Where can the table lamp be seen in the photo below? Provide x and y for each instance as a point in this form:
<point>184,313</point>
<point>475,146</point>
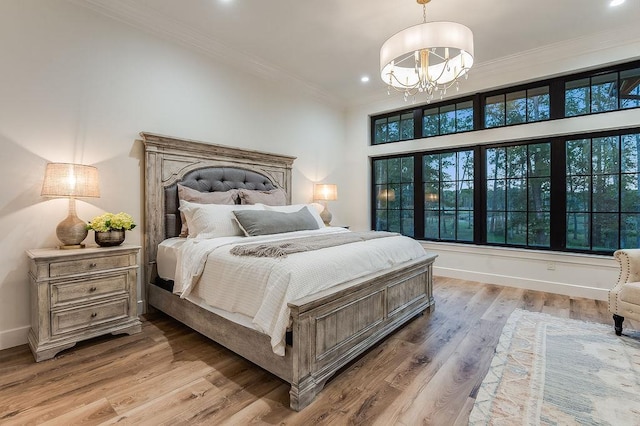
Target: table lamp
<point>73,181</point>
<point>325,192</point>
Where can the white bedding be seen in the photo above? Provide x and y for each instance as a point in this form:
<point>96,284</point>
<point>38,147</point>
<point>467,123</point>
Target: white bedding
<point>260,288</point>
<point>167,257</point>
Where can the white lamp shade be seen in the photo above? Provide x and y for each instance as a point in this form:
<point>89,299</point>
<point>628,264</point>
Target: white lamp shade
<point>70,180</point>
<point>397,53</point>
<point>325,192</point>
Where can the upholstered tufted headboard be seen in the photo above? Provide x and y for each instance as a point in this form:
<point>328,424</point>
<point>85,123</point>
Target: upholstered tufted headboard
<point>209,179</point>
<point>201,166</point>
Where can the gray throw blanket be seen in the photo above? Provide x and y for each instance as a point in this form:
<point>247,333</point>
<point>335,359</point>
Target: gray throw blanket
<point>297,245</point>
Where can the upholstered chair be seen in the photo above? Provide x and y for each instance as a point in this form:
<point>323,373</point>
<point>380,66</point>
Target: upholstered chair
<point>624,298</point>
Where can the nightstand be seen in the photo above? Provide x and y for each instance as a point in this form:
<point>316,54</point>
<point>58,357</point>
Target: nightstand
<point>79,294</point>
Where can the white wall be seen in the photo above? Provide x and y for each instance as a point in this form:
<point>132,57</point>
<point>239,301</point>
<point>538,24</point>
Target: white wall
<point>79,87</point>
<point>571,274</point>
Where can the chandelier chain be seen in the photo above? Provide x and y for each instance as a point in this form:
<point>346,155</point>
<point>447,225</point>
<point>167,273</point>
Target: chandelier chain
<point>424,13</point>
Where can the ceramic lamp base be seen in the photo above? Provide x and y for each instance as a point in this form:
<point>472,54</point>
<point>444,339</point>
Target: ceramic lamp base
<point>72,231</point>
<point>326,215</point>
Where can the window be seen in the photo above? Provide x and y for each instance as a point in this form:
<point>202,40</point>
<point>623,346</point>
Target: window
<point>494,109</point>
<point>630,88</point>
<point>595,178</point>
<point>394,195</point>
<point>398,127</point>
<point>604,93</point>
<point>443,120</point>
<point>603,193</point>
<point>538,108</point>
<point>576,193</point>
<point>577,98</point>
<point>518,194</point>
<point>448,196</point>
<point>517,107</point>
<point>599,91</point>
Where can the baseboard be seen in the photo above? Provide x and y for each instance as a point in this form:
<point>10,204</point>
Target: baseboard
<point>526,283</point>
<point>14,337</point>
<point>18,336</point>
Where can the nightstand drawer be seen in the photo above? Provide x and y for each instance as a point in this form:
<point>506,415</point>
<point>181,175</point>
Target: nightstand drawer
<point>69,320</point>
<point>76,291</point>
<point>80,266</point>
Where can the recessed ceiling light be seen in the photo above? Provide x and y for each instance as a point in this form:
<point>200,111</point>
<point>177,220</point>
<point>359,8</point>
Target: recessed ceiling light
<point>615,3</point>
<point>364,79</point>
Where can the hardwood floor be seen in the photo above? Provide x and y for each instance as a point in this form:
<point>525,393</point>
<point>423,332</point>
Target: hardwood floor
<point>426,373</point>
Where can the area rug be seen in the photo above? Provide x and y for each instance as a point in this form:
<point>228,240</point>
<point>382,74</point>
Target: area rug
<point>558,371</point>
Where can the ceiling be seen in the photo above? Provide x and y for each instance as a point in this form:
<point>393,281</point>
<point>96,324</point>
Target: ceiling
<point>326,46</point>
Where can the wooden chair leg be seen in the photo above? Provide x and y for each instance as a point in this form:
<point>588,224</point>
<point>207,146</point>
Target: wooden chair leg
<point>617,319</point>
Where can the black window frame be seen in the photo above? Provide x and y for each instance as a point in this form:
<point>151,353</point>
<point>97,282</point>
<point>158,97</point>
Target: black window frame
<point>556,101</point>
<point>558,191</point>
<point>508,178</point>
<point>443,105</point>
<point>386,116</point>
<point>375,199</point>
<point>456,211</point>
<point>515,89</point>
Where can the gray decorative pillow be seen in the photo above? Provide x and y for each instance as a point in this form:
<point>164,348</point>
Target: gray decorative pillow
<point>194,196</point>
<point>274,197</point>
<point>266,222</point>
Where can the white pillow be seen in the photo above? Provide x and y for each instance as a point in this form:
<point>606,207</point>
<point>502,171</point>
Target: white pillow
<point>194,196</point>
<point>314,208</point>
<point>213,220</point>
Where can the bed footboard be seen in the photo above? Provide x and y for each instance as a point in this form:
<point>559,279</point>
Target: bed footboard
<point>333,327</point>
<point>330,328</point>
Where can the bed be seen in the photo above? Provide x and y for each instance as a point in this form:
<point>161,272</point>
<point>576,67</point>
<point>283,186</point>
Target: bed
<point>326,329</point>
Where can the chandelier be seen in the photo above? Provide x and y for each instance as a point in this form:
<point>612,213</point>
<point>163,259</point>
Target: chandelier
<point>427,58</point>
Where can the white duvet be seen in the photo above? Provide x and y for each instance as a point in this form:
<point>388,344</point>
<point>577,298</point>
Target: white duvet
<point>260,288</point>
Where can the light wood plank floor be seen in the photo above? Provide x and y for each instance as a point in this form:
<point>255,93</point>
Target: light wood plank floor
<point>426,373</point>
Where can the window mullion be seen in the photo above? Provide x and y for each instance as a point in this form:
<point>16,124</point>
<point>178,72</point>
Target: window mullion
<point>558,208</point>
<point>619,172</point>
<point>479,196</point>
<point>418,197</point>
<point>557,99</point>
<point>417,123</point>
<point>373,194</point>
<point>591,195</point>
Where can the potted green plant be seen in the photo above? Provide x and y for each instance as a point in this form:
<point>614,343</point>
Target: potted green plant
<point>109,228</point>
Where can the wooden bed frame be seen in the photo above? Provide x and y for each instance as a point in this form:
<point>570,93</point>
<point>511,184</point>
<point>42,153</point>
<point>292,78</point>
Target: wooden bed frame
<point>329,328</point>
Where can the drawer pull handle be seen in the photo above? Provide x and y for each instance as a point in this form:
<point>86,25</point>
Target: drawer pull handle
<point>92,289</point>
<point>93,265</point>
<point>93,315</point>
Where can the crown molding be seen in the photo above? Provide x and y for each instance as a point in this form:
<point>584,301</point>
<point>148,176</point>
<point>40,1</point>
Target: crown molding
<point>568,56</point>
<point>150,21</point>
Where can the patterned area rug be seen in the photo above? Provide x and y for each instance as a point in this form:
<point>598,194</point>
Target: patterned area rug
<point>557,371</point>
